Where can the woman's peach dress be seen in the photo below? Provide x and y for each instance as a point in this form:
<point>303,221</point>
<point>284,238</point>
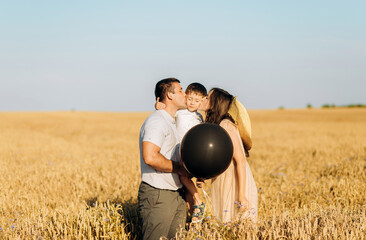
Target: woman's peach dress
<point>224,188</point>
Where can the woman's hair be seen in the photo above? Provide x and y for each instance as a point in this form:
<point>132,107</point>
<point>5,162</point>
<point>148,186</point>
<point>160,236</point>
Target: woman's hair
<point>220,101</point>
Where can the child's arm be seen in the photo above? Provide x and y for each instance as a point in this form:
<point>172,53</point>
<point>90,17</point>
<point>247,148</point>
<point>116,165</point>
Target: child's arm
<point>159,105</point>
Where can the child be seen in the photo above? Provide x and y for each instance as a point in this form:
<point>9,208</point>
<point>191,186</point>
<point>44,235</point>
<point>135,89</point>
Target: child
<point>185,119</point>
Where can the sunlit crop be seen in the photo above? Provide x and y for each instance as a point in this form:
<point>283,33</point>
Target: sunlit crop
<point>75,175</point>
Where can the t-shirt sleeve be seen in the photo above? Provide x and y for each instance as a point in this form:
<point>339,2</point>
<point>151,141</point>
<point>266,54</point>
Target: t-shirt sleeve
<point>154,132</point>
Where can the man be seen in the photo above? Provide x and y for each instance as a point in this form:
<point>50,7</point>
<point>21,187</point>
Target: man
<point>161,208</point>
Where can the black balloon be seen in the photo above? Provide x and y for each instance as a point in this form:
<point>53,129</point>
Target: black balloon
<point>206,150</point>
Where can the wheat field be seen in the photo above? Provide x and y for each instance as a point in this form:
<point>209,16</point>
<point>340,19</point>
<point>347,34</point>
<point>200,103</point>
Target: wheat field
<point>75,175</point>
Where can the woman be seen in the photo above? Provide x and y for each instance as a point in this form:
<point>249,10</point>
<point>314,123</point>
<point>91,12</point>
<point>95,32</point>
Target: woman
<point>234,192</point>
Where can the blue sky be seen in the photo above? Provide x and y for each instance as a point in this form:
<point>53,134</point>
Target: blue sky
<point>108,55</point>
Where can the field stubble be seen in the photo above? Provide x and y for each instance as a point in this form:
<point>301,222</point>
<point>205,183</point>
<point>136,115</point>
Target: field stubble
<point>75,175</point>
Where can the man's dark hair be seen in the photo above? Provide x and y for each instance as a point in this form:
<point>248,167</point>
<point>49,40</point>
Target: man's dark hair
<point>197,88</point>
<point>163,87</point>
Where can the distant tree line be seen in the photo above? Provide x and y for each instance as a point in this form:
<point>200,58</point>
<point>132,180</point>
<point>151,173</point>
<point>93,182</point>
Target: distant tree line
<point>309,106</point>
<point>344,106</point>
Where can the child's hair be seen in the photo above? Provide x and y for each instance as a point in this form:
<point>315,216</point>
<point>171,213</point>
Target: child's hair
<point>197,88</point>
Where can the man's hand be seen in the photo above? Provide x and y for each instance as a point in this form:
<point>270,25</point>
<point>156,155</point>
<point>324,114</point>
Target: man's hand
<point>180,169</point>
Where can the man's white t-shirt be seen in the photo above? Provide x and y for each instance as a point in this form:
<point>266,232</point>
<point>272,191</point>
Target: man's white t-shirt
<point>160,129</point>
<point>186,120</point>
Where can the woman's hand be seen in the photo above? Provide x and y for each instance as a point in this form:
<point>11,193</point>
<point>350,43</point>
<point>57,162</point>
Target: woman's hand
<point>159,105</point>
<point>243,205</point>
<point>200,182</point>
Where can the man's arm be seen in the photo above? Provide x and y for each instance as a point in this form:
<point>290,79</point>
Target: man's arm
<point>152,157</point>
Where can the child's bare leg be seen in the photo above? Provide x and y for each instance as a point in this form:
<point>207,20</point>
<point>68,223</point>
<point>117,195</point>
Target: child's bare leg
<point>193,199</point>
<point>190,201</point>
<point>192,195</point>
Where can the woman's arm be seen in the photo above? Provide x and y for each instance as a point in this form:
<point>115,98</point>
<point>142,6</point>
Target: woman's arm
<point>159,105</point>
<point>239,161</point>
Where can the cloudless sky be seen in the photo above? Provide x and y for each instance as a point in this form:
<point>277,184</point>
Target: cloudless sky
<point>108,55</point>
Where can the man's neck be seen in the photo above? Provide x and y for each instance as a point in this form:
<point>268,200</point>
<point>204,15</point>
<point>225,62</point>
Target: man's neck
<point>171,110</point>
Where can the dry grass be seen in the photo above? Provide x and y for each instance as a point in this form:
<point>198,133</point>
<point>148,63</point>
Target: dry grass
<point>75,175</point>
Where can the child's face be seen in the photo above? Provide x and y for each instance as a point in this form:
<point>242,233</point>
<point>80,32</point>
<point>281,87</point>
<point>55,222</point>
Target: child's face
<point>194,101</point>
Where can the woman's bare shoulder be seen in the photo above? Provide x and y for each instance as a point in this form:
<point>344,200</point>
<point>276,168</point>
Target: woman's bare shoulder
<point>228,125</point>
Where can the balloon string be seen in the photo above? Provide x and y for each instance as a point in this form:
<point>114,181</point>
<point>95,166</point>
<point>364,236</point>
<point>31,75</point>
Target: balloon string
<point>208,200</point>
